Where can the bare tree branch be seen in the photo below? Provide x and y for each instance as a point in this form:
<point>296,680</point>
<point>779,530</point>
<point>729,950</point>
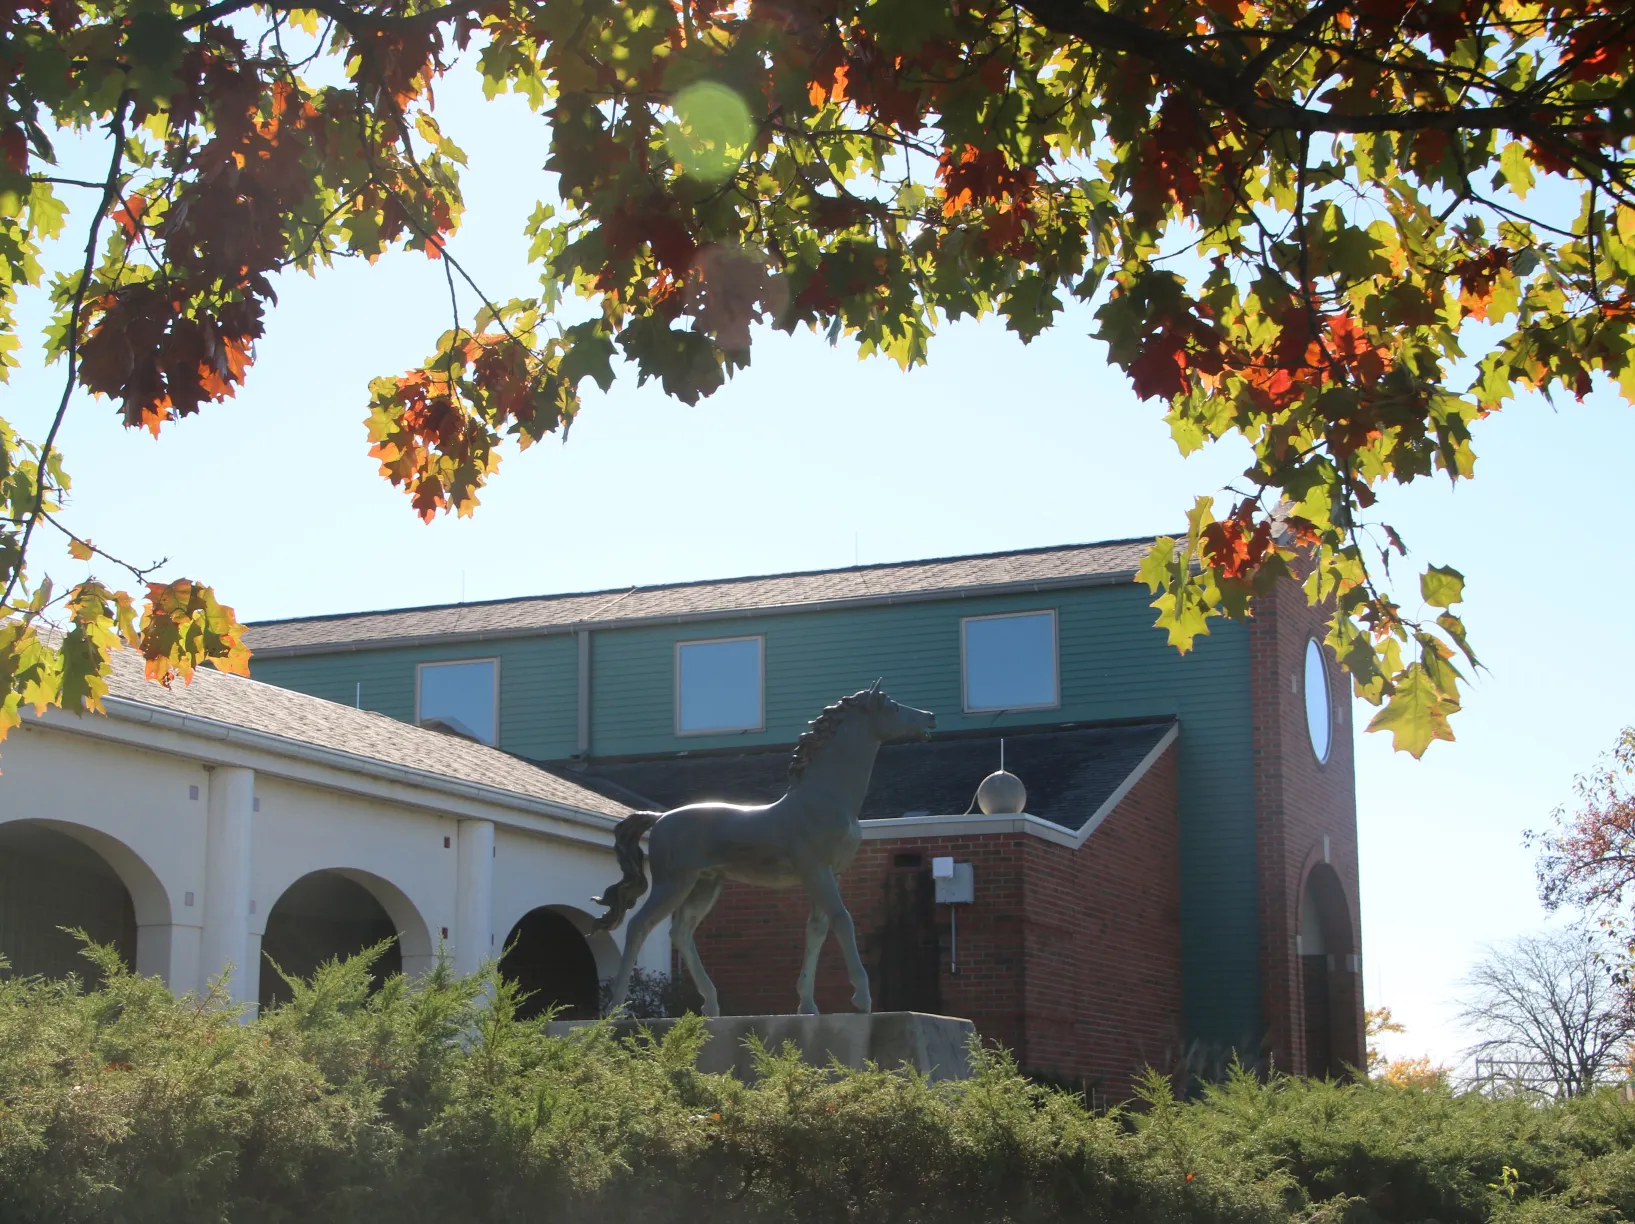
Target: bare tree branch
<point>1553,1017</point>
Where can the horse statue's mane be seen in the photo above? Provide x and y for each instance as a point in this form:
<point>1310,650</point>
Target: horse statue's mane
<point>822,729</point>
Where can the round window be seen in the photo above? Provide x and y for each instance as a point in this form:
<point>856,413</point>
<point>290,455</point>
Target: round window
<point>1318,723</point>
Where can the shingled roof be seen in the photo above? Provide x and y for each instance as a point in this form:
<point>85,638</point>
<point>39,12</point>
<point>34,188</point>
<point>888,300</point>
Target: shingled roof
<point>1069,772</point>
<point>1027,569</point>
<point>362,734</point>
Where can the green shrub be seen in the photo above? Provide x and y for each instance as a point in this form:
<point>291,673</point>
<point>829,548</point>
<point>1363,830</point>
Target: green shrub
<point>432,1100</point>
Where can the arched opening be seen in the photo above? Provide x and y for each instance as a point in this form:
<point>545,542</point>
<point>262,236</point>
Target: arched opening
<point>547,957</point>
<point>321,917</point>
<point>1328,977</point>
<point>50,880</point>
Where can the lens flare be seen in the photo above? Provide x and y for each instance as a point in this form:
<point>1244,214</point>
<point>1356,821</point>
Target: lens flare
<point>711,133</point>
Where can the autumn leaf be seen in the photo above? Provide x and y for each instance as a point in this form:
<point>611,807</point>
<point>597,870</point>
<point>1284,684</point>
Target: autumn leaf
<point>1272,242</point>
<point>1415,714</point>
<point>1441,586</point>
<point>183,627</point>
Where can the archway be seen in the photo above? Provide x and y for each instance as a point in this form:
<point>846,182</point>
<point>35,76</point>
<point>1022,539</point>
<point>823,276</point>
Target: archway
<point>1328,977</point>
<point>321,917</point>
<point>553,964</point>
<point>51,879</point>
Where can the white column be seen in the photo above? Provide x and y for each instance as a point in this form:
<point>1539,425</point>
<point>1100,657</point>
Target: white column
<point>474,897</point>
<point>225,939</point>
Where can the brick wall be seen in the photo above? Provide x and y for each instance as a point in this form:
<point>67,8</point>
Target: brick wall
<point>1298,803</point>
<point>1069,958</point>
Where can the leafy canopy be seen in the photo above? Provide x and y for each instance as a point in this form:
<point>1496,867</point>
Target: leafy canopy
<point>1284,213</point>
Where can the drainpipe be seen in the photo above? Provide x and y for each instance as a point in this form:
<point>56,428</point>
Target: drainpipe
<point>583,747</point>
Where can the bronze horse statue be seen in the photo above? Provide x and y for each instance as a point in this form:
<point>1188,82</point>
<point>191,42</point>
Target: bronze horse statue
<point>807,838</point>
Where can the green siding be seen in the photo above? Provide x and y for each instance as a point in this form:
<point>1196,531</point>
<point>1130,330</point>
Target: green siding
<point>1114,665</point>
<point>539,683</point>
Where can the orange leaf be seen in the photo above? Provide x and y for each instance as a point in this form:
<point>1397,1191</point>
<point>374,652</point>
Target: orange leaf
<point>129,214</point>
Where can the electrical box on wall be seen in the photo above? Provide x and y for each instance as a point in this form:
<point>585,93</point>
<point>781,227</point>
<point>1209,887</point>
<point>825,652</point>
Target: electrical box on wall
<point>955,882</point>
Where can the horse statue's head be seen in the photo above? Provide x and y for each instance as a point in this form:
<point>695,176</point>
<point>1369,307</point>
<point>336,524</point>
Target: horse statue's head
<point>888,721</point>
<point>891,721</point>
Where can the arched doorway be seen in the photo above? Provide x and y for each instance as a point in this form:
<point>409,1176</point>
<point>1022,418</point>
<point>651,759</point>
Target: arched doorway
<point>321,917</point>
<point>50,880</point>
<point>547,957</point>
<point>1328,977</point>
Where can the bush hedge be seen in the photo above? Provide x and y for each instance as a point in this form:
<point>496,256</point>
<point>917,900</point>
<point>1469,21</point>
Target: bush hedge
<point>431,1100</point>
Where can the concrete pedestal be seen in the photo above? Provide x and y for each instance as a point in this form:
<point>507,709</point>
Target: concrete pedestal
<point>935,1045</point>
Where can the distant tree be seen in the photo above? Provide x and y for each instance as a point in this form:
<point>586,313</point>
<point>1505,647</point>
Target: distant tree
<point>1418,1072</point>
<point>1587,858</point>
<point>1552,1018</point>
<point>1287,214</point>
<point>1377,1020</point>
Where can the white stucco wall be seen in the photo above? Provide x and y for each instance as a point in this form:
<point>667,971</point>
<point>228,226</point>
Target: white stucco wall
<point>141,797</point>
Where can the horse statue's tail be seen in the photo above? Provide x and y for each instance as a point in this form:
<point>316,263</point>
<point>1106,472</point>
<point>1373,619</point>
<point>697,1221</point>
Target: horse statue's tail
<point>627,847</point>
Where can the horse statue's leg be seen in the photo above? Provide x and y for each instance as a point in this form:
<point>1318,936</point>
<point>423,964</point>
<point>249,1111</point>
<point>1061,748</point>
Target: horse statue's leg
<point>824,890</point>
<point>682,925</point>
<point>817,930</point>
<point>667,894</point>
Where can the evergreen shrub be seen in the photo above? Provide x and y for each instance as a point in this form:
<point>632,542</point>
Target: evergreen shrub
<point>431,1100</point>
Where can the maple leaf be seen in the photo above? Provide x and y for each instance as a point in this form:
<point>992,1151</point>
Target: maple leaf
<point>1286,268</point>
<point>128,215</point>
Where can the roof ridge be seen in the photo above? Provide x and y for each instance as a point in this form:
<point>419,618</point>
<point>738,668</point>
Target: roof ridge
<point>619,592</point>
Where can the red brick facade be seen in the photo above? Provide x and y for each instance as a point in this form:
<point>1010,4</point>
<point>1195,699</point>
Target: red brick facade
<point>1070,958</point>
<point>1306,835</point>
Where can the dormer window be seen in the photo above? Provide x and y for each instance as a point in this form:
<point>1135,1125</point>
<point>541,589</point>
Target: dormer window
<point>1010,662</point>
<point>460,698</point>
<point>719,686</point>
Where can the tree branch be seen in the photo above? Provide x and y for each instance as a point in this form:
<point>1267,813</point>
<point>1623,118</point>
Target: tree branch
<point>351,19</point>
<point>110,193</point>
<point>1237,93</point>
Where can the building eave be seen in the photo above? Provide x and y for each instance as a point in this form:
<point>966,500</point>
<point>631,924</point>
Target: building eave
<point>896,828</point>
<point>215,742</point>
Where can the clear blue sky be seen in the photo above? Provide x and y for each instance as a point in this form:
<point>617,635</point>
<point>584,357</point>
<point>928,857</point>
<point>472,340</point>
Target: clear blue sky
<point>812,458</point>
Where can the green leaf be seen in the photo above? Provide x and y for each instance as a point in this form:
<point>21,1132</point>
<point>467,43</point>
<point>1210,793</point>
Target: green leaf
<point>1157,564</point>
<point>1441,586</point>
<point>1455,629</point>
<point>1415,714</point>
<point>591,355</point>
<point>1515,169</point>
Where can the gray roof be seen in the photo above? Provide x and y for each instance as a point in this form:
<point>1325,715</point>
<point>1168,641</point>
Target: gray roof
<point>294,716</point>
<point>941,578</point>
<point>1069,772</point>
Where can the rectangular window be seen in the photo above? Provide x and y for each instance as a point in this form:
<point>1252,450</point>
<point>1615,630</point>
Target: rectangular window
<point>461,697</point>
<point>718,686</point>
<point>1010,662</point>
